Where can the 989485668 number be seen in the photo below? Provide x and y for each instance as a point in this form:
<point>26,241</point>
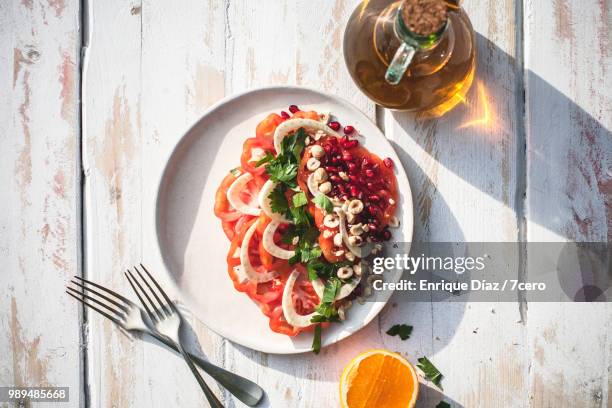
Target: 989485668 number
<point>41,394</point>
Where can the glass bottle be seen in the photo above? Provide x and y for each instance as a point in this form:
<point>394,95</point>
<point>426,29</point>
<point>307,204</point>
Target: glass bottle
<point>403,71</point>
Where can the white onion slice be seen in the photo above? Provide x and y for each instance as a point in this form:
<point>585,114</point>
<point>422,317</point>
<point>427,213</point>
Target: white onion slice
<point>239,271</point>
<point>312,185</point>
<point>233,195</point>
<point>264,202</point>
<point>290,125</point>
<point>344,291</point>
<point>245,262</point>
<point>291,316</point>
<point>270,246</point>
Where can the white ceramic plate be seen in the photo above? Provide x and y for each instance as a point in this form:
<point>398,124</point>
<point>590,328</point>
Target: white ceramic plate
<point>191,239</point>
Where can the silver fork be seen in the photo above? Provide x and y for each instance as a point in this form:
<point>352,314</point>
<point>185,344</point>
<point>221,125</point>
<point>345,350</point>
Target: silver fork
<point>167,321</point>
<point>129,317</point>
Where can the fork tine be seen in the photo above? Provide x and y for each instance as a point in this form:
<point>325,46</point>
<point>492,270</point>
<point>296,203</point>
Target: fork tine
<point>138,289</point>
<point>114,302</point>
<point>107,290</point>
<point>96,301</point>
<point>103,313</point>
<point>162,305</point>
<point>170,303</point>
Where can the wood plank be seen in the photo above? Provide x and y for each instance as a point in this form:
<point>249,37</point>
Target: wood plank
<point>462,172</point>
<point>569,188</point>
<point>153,68</point>
<point>40,195</point>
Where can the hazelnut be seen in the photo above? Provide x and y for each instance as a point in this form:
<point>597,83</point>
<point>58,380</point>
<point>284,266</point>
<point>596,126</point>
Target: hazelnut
<point>320,175</point>
<point>331,221</point>
<point>317,151</point>
<point>325,187</point>
<point>345,272</point>
<point>312,164</point>
<point>355,207</point>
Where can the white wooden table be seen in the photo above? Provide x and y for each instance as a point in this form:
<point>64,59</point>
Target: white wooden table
<point>94,94</point>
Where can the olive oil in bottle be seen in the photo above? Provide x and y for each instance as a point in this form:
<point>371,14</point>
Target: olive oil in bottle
<point>411,55</point>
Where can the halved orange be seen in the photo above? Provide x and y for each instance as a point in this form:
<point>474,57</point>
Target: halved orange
<point>379,378</point>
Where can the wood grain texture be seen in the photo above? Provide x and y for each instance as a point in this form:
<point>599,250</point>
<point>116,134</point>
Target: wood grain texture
<point>462,172</point>
<point>40,195</point>
<point>569,189</point>
<point>153,68</point>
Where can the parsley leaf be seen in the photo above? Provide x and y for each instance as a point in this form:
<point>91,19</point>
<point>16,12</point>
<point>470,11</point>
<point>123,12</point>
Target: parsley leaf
<point>316,340</point>
<point>235,172</point>
<point>331,290</point>
<point>443,404</point>
<point>299,199</point>
<point>301,216</point>
<point>430,371</point>
<point>284,167</point>
<point>294,144</point>
<point>323,203</point>
<point>278,200</point>
<point>282,171</point>
<point>401,330</point>
<point>326,313</point>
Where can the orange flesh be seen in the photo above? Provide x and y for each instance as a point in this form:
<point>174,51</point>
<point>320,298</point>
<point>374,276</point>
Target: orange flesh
<point>380,381</point>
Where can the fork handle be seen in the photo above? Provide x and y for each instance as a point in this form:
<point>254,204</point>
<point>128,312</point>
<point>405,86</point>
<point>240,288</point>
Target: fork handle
<point>212,399</point>
<point>245,390</point>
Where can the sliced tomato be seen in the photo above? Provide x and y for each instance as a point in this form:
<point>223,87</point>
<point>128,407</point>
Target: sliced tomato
<point>233,261</point>
<point>249,158</point>
<point>231,228</point>
<point>327,247</point>
<point>265,129</point>
<point>223,209</point>
<point>307,115</point>
<point>305,299</point>
<point>278,323</point>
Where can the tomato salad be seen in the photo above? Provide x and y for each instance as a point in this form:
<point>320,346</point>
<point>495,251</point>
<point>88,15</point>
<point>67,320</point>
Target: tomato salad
<point>306,206</point>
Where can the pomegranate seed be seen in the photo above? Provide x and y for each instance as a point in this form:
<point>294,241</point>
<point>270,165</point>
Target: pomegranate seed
<point>386,235</point>
<point>354,191</point>
<point>352,167</point>
<point>370,185</point>
<point>334,125</point>
<point>284,115</point>
<point>369,173</point>
<point>353,178</point>
<point>349,144</point>
<point>372,227</point>
<point>327,148</point>
<point>344,197</point>
<point>348,129</point>
<point>335,179</point>
<point>347,156</point>
<point>334,160</point>
<point>374,198</point>
<point>388,162</point>
<point>360,195</point>
<point>331,169</point>
<point>293,108</point>
<point>365,162</point>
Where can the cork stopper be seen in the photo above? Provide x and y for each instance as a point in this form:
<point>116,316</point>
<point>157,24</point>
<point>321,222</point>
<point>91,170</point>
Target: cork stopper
<point>424,17</point>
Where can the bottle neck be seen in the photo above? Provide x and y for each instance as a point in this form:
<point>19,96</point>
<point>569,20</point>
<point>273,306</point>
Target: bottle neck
<point>420,42</point>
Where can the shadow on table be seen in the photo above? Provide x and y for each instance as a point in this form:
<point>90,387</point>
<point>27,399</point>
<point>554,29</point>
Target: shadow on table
<point>459,148</point>
<point>492,126</point>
